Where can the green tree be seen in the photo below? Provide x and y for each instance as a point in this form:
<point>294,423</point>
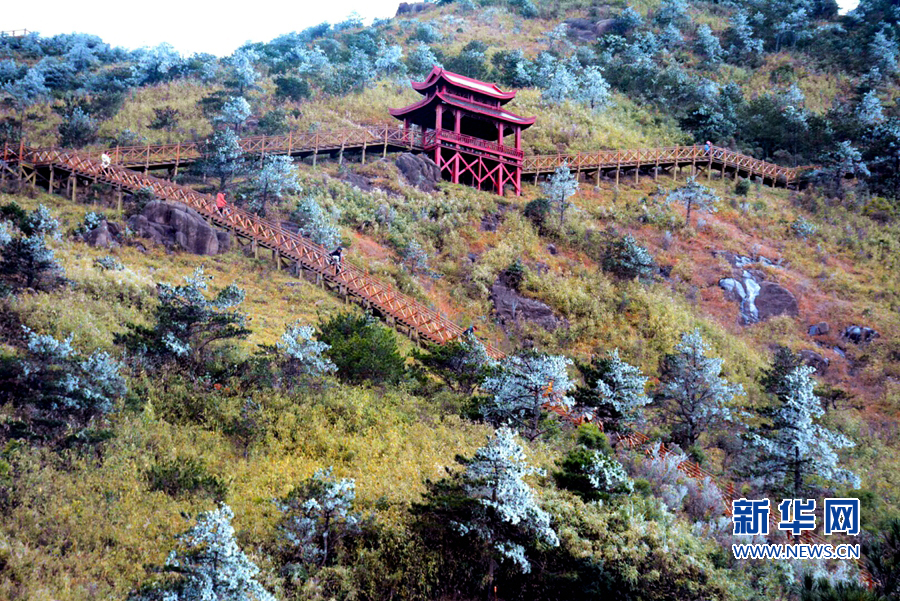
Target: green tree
<point>362,349</point>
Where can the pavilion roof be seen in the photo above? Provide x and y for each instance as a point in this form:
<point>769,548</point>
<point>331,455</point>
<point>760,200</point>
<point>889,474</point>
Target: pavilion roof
<point>474,107</point>
<point>473,85</point>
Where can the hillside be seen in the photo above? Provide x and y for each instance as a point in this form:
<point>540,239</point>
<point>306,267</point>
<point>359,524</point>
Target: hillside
<point>178,394</point>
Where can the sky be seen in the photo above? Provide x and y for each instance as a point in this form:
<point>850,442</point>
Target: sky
<point>192,26</point>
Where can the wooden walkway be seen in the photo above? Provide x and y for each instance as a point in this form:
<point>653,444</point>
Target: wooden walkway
<point>417,320</point>
<point>381,139</point>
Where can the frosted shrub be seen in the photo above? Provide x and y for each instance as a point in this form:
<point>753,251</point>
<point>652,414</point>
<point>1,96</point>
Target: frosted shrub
<point>522,385</point>
<point>108,263</point>
<point>667,482</point>
<point>316,516</point>
<point>304,352</point>
<point>40,222</point>
<point>803,228</point>
<point>315,223</point>
<point>277,179</point>
<point>694,196</point>
<point>628,259</point>
<point>495,479</point>
<point>210,564</point>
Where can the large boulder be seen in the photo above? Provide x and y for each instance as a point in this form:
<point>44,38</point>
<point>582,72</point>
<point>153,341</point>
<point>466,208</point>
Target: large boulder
<point>105,235</point>
<point>413,8</point>
<point>419,171</point>
<point>859,334</point>
<point>585,30</point>
<point>774,299</point>
<point>818,329</point>
<point>511,307</point>
<point>816,361</point>
<point>174,225</point>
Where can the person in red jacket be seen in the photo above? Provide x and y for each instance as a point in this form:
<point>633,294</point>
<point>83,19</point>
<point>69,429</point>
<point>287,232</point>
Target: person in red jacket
<point>221,203</point>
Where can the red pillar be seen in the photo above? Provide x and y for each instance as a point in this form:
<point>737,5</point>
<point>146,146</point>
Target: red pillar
<point>438,122</point>
<point>458,119</point>
<point>518,138</point>
<point>500,133</point>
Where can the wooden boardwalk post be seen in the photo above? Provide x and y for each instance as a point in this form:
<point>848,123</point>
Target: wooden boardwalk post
<point>709,167</point>
<point>637,169</point>
<point>384,151</point>
<point>147,160</point>
<point>74,179</point>
<point>618,165</point>
<point>50,184</point>
<point>675,166</point>
<point>316,150</point>
<point>364,153</point>
<point>177,160</point>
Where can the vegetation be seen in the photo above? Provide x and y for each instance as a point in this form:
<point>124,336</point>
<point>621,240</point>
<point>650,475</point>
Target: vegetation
<point>361,467</point>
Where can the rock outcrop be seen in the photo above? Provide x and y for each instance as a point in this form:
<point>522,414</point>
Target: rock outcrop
<point>413,8</point>
<point>511,307</point>
<point>585,30</point>
<point>818,329</point>
<point>759,300</point>
<point>419,171</point>
<point>815,360</point>
<point>859,334</point>
<point>774,299</point>
<point>105,235</point>
<point>174,225</point>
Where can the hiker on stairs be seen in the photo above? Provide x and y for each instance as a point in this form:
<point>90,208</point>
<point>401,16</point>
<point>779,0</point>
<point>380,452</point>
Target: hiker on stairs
<point>335,258</point>
<point>105,161</point>
<point>221,203</point>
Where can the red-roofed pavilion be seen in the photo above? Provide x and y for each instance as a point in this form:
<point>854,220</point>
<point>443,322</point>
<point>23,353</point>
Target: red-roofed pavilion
<point>465,124</point>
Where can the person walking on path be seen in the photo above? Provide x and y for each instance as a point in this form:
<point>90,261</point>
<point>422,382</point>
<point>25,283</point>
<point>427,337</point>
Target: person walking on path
<point>105,161</point>
<point>221,203</point>
<point>336,257</point>
<point>707,148</point>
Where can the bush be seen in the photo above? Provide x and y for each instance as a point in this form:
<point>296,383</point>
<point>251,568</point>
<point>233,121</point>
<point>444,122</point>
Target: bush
<point>803,228</point>
<point>362,349</point>
<point>186,476</point>
<point>742,187</point>
<point>537,211</point>
<point>627,259</point>
<point>291,88</point>
<point>592,475</point>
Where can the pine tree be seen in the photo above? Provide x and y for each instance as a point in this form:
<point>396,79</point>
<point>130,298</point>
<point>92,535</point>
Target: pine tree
<point>494,478</point>
<point>316,515</point>
<point>421,60</point>
<point>794,448</point>
<point>707,45</point>
<point>870,111</point>
<point>303,352</point>
<point>187,322</point>
<point>884,54</point>
<point>78,129</point>
<point>210,564</point>
<point>744,48</point>
<point>628,259</point>
<point>561,186</point>
<point>562,85</point>
<point>672,12</point>
<point>694,196</point>
<point>273,182</point>
<point>244,74</point>
<point>28,263</point>
<point>694,395</point>
<point>315,223</point>
<point>620,388</point>
<point>522,386</point>
<point>235,112</point>
<point>389,60</point>
<point>223,158</point>
<point>593,89</point>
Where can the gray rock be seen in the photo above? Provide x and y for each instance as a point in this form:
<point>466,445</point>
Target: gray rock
<point>490,222</point>
<point>551,248</point>
<point>818,329</point>
<point>510,307</point>
<point>774,300</point>
<point>413,8</point>
<point>860,334</point>
<point>173,224</point>
<point>105,235</point>
<point>419,171</point>
<point>586,30</point>
<point>733,289</point>
<point>814,359</point>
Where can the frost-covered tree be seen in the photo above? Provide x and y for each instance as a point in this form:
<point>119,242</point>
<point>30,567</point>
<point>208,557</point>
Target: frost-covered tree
<point>561,86</point>
<point>558,38</point>
<point>187,322</point>
<point>153,65</point>
<point>314,63</point>
<point>359,71</point>
<point>304,354</point>
<point>243,72</point>
<point>627,259</point>
<point>235,112</point>
<point>222,157</point>
<point>794,449</point>
<point>210,565</point>
<point>77,129</point>
<point>627,20</point>
<point>421,59</point>
<point>620,388</point>
<point>26,92</point>
<point>672,12</point>
<point>27,262</point>
<point>592,474</point>
<point>277,179</point>
<point>693,393</point>
<point>41,222</point>
<point>561,186</point>
<point>316,516</point>
<point>523,386</point>
<point>792,28</point>
<point>869,111</point>
<point>315,223</point>
<point>744,47</point>
<point>509,513</point>
<point>884,54</point>
<point>593,89</point>
<point>694,196</point>
<point>707,45</point>
<point>389,60</point>
<point>671,37</point>
<point>844,162</point>
<point>57,383</point>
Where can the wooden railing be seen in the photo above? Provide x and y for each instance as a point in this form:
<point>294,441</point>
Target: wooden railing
<point>14,33</point>
<point>429,324</point>
<point>472,141</point>
<point>650,157</point>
